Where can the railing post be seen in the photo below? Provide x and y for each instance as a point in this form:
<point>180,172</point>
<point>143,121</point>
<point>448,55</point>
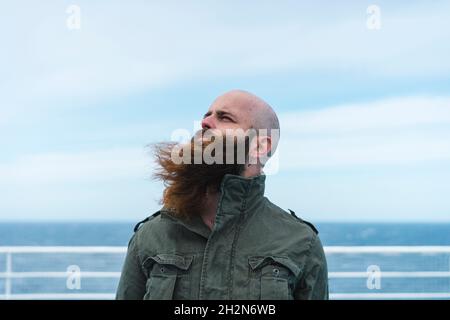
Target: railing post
<point>8,275</point>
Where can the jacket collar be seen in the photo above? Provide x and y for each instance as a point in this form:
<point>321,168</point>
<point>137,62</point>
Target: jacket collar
<point>238,195</point>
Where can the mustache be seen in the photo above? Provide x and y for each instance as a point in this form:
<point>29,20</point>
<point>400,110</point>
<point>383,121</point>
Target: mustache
<point>205,161</point>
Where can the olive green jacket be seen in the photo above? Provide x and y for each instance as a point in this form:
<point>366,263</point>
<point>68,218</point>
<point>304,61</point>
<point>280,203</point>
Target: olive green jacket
<point>256,250</point>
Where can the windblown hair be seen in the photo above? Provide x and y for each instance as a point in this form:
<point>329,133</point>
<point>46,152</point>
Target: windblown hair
<point>186,184</point>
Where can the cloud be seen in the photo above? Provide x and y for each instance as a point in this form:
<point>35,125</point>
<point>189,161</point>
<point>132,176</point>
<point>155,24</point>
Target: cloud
<point>385,114</point>
<point>108,184</point>
<point>395,131</point>
<point>120,49</point>
<point>65,168</point>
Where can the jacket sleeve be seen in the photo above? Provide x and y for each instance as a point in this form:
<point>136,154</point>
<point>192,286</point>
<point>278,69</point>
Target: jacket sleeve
<point>313,284</point>
<point>132,280</point>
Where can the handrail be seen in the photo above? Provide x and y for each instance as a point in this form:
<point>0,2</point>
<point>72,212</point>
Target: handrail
<point>387,249</point>
<point>327,249</point>
<point>10,274</point>
<point>62,249</point>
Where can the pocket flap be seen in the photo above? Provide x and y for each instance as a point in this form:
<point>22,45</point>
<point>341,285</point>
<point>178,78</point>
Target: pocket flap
<point>179,261</point>
<point>256,262</point>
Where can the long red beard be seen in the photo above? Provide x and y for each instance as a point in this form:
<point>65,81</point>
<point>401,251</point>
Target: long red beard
<point>186,184</point>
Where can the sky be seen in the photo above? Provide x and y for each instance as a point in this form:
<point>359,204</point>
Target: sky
<point>361,88</point>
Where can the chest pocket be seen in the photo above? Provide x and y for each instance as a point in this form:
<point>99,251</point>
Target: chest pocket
<point>168,277</point>
<point>272,277</point>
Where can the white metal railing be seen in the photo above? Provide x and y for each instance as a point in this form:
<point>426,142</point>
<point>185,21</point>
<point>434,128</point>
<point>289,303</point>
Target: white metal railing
<point>10,274</point>
<point>390,250</point>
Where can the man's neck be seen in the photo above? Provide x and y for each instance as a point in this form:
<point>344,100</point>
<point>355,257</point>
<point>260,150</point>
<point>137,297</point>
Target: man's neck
<point>252,171</point>
<point>209,209</point>
<point>212,198</point>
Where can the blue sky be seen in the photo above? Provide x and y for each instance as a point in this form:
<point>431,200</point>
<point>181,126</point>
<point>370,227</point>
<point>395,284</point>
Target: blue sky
<point>365,114</point>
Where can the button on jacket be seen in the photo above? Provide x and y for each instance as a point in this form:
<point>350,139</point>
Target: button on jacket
<point>256,250</point>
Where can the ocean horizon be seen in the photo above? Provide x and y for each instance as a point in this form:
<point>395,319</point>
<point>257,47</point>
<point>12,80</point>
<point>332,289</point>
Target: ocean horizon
<point>86,233</point>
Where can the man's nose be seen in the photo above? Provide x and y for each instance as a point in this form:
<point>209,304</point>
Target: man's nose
<point>208,123</point>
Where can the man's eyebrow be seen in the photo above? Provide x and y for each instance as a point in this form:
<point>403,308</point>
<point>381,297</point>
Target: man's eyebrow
<point>220,113</point>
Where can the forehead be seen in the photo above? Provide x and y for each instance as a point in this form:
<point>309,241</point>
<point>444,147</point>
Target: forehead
<point>233,105</point>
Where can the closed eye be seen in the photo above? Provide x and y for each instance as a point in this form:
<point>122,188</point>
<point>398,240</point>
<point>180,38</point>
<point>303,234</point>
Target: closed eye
<point>226,118</point>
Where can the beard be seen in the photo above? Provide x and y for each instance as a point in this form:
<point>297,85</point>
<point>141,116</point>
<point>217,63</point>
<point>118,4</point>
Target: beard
<point>205,160</point>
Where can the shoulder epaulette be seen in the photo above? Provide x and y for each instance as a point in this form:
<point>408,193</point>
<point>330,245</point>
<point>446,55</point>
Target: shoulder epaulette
<point>304,221</point>
<point>136,227</point>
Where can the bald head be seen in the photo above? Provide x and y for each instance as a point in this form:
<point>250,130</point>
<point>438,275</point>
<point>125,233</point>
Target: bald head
<point>252,111</point>
<point>241,109</point>
<point>256,112</point>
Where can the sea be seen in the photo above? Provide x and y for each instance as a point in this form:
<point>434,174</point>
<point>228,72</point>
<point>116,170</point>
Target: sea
<point>352,275</point>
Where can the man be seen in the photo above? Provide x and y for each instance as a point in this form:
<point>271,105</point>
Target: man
<point>217,236</point>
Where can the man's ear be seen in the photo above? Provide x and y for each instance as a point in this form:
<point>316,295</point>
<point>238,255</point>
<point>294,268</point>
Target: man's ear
<point>259,150</point>
<point>264,149</point>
